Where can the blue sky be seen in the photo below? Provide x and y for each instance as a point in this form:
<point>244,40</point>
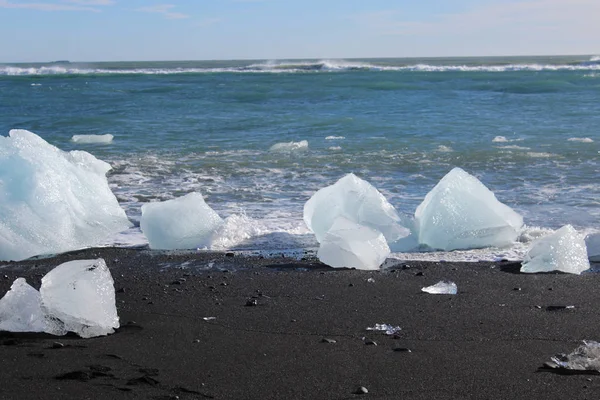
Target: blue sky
<point>123,30</point>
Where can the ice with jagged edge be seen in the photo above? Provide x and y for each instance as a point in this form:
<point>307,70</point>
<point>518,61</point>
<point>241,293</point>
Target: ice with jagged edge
<point>441,287</point>
<point>563,250</point>
<point>79,296</point>
<point>86,139</point>
<point>288,147</point>
<point>348,244</point>
<point>584,358</point>
<point>186,222</point>
<point>356,200</point>
<point>387,328</point>
<point>461,213</point>
<point>52,201</point>
<point>592,243</point>
<point>20,309</point>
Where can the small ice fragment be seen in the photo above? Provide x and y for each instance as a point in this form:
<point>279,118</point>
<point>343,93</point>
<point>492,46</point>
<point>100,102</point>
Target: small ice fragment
<point>441,287</point>
<point>461,213</point>
<point>289,147</point>
<point>108,138</point>
<point>563,250</point>
<point>209,318</point>
<point>584,358</point>
<point>20,309</point>
<point>371,280</point>
<point>79,296</point>
<point>183,223</point>
<point>357,201</point>
<point>387,328</point>
<point>349,245</point>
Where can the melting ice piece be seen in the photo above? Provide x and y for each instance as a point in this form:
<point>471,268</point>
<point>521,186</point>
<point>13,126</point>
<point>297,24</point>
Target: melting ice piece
<point>388,329</point>
<point>20,309</point>
<point>355,200</point>
<point>563,250</point>
<point>592,242</point>
<point>351,245</point>
<point>584,358</point>
<point>461,213</point>
<point>52,201</point>
<point>441,288</point>
<point>79,296</point>
<point>290,147</point>
<point>183,223</point>
<point>108,138</point>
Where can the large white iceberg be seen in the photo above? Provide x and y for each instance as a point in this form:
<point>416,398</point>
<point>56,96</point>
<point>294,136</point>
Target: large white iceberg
<point>20,309</point>
<point>348,244</point>
<point>563,250</point>
<point>52,201</point>
<point>461,213</point>
<point>183,223</point>
<point>356,200</point>
<point>79,296</point>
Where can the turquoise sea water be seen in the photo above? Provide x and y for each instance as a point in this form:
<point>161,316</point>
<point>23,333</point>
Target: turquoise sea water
<point>527,127</point>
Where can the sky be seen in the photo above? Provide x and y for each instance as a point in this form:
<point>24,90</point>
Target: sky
<point>144,30</point>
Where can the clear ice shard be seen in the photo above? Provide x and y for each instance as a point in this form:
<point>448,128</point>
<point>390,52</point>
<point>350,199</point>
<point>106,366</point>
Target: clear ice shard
<point>348,244</point>
<point>441,288</point>
<point>52,201</point>
<point>592,242</point>
<point>356,200</point>
<point>387,328</point>
<point>183,223</point>
<point>79,296</point>
<point>461,213</point>
<point>563,250</point>
<point>584,358</point>
<point>20,309</point>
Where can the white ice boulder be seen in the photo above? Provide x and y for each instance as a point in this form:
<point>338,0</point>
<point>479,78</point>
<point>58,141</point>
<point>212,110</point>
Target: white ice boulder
<point>20,309</point>
<point>355,200</point>
<point>461,213</point>
<point>183,223</point>
<point>52,201</point>
<point>79,296</point>
<point>348,244</point>
<point>563,250</point>
<point>88,139</point>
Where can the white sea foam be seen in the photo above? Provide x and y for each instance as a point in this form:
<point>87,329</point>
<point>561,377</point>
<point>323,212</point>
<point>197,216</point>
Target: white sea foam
<point>444,149</point>
<point>534,154</point>
<point>335,148</point>
<point>500,139</point>
<point>335,138</point>
<point>514,147</point>
<point>107,138</point>
<point>581,140</point>
<point>289,147</point>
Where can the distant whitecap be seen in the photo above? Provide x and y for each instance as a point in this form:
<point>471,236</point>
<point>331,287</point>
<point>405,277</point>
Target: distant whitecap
<point>444,149</point>
<point>108,138</point>
<point>288,147</point>
<point>581,140</point>
<point>500,139</point>
<point>335,138</point>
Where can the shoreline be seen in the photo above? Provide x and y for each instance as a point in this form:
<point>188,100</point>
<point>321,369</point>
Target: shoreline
<point>297,329</point>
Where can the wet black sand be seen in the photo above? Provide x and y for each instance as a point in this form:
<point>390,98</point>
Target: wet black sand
<point>273,314</point>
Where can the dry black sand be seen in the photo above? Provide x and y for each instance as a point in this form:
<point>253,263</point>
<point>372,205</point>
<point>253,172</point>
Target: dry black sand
<point>273,314</point>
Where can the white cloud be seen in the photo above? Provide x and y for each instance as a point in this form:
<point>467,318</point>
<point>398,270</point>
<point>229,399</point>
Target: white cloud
<point>165,10</point>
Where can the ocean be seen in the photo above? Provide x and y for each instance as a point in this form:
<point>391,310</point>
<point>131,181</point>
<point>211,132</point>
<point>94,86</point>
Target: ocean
<point>527,127</point>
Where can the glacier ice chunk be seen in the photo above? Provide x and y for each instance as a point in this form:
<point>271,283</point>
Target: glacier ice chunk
<point>441,288</point>
<point>21,309</point>
<point>461,213</point>
<point>85,139</point>
<point>592,242</point>
<point>355,200</point>
<point>348,244</point>
<point>52,201</point>
<point>563,250</point>
<point>387,328</point>
<point>584,358</point>
<point>79,296</point>
<point>183,223</point>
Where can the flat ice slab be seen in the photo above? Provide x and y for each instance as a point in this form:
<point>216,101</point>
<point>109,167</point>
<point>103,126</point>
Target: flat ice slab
<point>347,244</point>
<point>461,213</point>
<point>356,200</point>
<point>563,250</point>
<point>183,223</point>
<point>79,296</point>
<point>105,139</point>
<point>20,309</point>
<point>52,201</point>
<point>441,288</point>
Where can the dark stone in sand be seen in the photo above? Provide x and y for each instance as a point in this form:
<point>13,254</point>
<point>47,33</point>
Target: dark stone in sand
<point>370,342</point>
<point>251,303</point>
<point>403,350</point>
<point>229,254</point>
<point>559,308</point>
<point>58,345</point>
<point>419,274</point>
<point>330,341</point>
<point>143,380</point>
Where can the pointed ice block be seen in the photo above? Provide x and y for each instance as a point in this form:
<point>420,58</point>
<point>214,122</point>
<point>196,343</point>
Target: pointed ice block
<point>79,296</point>
<point>441,288</point>
<point>350,245</point>
<point>20,309</point>
<point>461,213</point>
<point>355,200</point>
<point>563,250</point>
<point>183,223</point>
<point>52,201</point>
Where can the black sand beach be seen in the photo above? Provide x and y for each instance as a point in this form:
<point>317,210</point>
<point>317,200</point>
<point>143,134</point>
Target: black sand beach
<point>288,329</point>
